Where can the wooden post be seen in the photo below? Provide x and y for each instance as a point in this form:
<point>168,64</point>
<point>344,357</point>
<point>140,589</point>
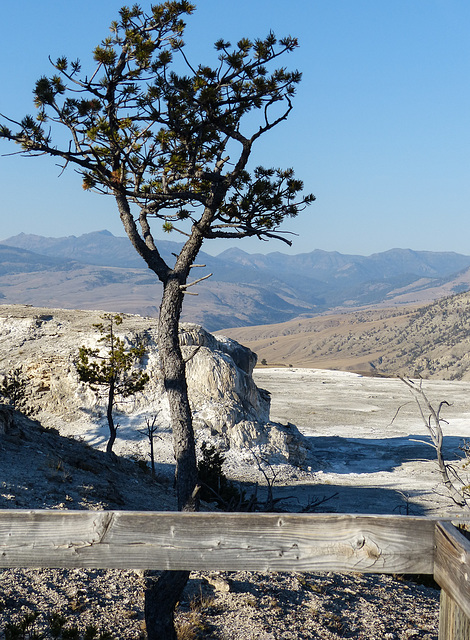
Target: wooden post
<point>452,573</point>
<point>453,623</point>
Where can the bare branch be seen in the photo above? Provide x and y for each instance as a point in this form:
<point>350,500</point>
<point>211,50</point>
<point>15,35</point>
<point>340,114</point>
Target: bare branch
<point>186,360</point>
<point>191,284</point>
<point>433,425</point>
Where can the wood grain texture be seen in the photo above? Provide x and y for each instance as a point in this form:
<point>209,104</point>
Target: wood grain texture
<point>216,541</point>
<point>452,564</point>
<point>453,623</point>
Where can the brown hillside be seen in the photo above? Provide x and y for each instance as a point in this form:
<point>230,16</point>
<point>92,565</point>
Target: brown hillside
<point>431,341</point>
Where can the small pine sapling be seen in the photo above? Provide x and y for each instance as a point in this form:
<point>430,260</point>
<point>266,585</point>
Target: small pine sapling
<point>14,391</point>
<point>112,368</point>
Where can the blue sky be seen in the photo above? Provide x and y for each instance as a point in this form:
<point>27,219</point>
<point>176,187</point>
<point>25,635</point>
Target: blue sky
<point>380,131</point>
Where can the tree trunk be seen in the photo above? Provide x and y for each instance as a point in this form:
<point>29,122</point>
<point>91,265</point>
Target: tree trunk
<point>109,415</point>
<point>152,454</point>
<point>174,376</point>
<point>161,598</point>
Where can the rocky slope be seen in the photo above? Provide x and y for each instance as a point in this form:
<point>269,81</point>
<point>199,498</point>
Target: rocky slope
<point>227,405</point>
<point>431,341</point>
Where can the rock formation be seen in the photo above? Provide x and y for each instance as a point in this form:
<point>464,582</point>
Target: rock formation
<point>227,405</point>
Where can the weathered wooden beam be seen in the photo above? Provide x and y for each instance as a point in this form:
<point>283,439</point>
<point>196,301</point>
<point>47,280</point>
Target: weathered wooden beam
<point>452,564</point>
<point>216,541</point>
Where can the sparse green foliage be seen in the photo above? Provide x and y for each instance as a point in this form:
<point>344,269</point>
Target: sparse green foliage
<point>215,486</point>
<point>56,624</point>
<point>112,368</point>
<point>14,391</point>
<point>24,629</point>
<point>141,131</point>
<point>116,364</point>
<point>59,629</point>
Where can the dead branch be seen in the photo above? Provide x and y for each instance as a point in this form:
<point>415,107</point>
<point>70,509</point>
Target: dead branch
<point>314,503</point>
<point>397,412</point>
<point>186,360</point>
<point>270,481</point>
<point>433,425</point>
<point>150,432</point>
<point>183,287</point>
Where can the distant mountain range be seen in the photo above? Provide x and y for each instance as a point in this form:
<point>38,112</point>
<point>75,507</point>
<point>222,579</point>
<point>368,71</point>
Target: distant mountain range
<point>101,271</point>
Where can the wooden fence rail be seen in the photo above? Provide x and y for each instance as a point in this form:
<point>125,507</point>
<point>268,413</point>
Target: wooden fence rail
<point>247,541</point>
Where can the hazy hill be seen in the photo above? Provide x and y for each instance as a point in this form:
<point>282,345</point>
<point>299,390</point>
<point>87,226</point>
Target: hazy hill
<point>432,341</point>
<point>330,266</point>
<point>13,260</point>
<point>28,278</point>
<point>97,248</point>
<point>101,271</point>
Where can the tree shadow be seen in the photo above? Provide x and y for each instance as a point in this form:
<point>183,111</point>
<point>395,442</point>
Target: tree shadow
<point>336,454</point>
<point>129,428</point>
<point>325,497</point>
<point>67,472</point>
<point>336,498</point>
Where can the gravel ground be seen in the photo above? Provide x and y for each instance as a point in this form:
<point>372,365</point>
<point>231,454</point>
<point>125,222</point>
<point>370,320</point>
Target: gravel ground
<point>256,605</point>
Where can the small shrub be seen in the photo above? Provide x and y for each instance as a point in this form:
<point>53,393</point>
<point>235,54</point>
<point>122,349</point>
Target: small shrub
<point>14,391</point>
<point>215,486</point>
<point>192,628</point>
<point>23,629</point>
<point>57,471</point>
